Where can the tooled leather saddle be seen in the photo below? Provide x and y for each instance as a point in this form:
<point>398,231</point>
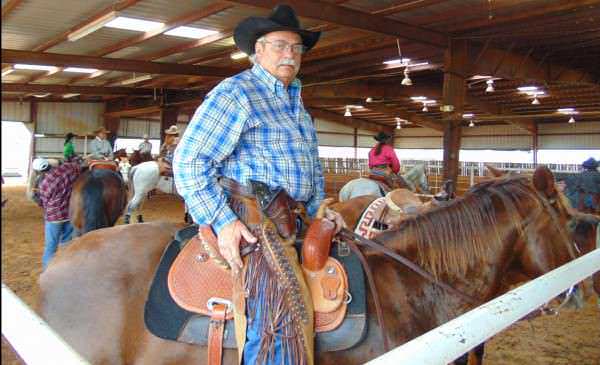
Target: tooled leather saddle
<point>190,297</point>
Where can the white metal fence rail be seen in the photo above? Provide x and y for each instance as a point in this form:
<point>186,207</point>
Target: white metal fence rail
<point>452,339</point>
<point>31,337</point>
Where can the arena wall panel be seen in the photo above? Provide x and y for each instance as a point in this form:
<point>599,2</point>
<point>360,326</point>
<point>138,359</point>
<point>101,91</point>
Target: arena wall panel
<point>16,111</point>
<point>60,118</point>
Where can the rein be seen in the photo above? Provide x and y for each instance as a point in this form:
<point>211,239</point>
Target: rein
<point>347,235</point>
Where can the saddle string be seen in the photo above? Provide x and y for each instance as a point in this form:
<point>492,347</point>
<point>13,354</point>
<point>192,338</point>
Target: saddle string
<point>350,236</point>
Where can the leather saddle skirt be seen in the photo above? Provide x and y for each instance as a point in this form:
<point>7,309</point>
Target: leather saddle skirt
<point>103,164</point>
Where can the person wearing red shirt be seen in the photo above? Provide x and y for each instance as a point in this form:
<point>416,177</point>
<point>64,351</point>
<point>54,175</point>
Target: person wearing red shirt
<point>382,157</point>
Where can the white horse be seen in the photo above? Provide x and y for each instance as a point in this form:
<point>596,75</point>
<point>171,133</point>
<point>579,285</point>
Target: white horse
<point>364,186</point>
<point>144,178</point>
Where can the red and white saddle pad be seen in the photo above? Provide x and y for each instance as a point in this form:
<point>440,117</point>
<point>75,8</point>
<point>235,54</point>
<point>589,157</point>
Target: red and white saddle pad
<point>368,218</point>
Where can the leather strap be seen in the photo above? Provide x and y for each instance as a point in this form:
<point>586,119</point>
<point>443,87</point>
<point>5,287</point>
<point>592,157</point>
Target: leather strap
<point>374,293</point>
<point>235,188</point>
<point>350,236</point>
<point>215,334</point>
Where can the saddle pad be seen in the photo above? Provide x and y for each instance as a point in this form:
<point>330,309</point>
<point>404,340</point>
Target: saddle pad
<point>370,215</point>
<point>195,278</point>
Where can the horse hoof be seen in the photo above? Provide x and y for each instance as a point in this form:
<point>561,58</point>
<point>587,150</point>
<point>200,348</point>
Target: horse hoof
<point>140,219</point>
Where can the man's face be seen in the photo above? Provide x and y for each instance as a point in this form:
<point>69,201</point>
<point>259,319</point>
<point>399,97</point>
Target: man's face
<point>102,135</point>
<point>276,55</point>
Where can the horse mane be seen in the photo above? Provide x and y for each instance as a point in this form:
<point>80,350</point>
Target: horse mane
<point>453,237</point>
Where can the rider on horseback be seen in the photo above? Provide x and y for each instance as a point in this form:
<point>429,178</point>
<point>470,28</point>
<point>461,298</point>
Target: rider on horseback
<point>167,150</point>
<point>100,148</point>
<point>383,163</point>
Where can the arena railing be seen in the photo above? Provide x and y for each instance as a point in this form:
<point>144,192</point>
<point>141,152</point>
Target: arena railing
<point>449,341</point>
<point>31,337</point>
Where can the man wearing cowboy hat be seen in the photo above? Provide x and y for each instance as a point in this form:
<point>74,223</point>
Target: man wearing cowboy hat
<point>145,146</point>
<point>100,148</point>
<point>168,148</point>
<point>583,190</point>
<point>253,126</point>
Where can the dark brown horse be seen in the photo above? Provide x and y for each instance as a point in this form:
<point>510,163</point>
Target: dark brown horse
<point>95,301</point>
<point>97,200</point>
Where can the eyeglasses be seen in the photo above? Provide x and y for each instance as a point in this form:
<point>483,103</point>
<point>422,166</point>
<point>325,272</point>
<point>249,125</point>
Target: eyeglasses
<point>281,46</point>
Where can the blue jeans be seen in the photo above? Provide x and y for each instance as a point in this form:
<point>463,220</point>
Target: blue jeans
<point>253,337</point>
<point>55,233</point>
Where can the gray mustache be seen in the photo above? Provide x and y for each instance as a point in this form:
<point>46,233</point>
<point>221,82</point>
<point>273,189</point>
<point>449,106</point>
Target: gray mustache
<point>287,62</point>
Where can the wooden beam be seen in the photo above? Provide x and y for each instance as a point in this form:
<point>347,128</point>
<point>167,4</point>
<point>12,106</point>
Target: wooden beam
<point>66,89</point>
<point>455,63</point>
<point>348,121</point>
<point>358,20</point>
<point>9,6</point>
<point>412,117</point>
<point>112,64</point>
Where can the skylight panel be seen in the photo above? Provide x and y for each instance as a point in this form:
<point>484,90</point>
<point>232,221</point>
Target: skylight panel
<point>190,32</point>
<point>140,25</point>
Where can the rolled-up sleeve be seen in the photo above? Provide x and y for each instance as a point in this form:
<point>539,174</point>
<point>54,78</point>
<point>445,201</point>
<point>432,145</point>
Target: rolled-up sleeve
<point>210,138</point>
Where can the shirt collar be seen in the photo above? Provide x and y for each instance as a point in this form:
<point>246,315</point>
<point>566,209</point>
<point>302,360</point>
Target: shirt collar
<point>98,138</point>
<point>272,82</point>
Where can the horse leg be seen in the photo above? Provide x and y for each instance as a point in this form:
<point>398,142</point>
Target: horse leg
<point>127,218</point>
<point>140,219</point>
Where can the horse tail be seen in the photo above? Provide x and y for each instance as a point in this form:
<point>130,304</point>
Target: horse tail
<point>93,200</point>
<point>130,184</point>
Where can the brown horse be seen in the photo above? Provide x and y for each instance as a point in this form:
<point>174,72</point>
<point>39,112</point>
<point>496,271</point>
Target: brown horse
<point>95,301</point>
<point>97,200</point>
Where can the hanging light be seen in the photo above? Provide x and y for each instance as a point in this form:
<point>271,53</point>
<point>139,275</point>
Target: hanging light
<point>406,81</point>
<point>490,86</point>
<point>398,123</point>
<point>425,108</point>
<point>347,113</point>
<point>471,124</point>
<point>571,120</point>
<point>369,99</point>
<point>535,101</point>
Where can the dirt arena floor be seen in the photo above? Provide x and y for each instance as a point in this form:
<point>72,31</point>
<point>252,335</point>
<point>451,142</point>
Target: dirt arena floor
<point>572,337</point>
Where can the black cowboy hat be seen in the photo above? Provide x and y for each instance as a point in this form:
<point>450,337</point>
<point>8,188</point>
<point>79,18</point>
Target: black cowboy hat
<point>382,137</point>
<point>282,18</point>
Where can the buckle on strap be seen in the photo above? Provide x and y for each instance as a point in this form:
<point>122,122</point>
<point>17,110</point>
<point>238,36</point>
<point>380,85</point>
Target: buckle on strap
<point>210,304</point>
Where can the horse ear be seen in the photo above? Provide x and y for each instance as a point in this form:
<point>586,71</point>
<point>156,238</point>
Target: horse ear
<point>543,180</point>
<point>494,171</point>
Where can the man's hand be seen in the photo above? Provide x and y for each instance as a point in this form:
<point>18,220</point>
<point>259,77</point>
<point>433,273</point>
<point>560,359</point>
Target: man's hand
<point>229,240</point>
<point>336,218</point>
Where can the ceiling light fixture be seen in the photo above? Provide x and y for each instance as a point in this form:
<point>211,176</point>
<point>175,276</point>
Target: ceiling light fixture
<point>347,113</point>
<point>81,70</point>
<point>525,89</point>
<point>139,25</point>
<point>471,124</point>
<point>468,115</point>
<point>490,86</point>
<point>571,120</point>
<point>406,81</point>
<point>190,32</point>
<point>92,27</point>
<point>135,80</point>
<point>369,100</point>
<point>20,66</point>
<point>567,111</point>
<point>41,95</point>
<point>238,55</point>
<point>425,109</point>
<point>398,61</point>
<point>66,96</point>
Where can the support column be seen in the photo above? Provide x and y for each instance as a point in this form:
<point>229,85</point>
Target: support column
<point>33,107</point>
<point>534,143</point>
<point>455,71</point>
<point>168,117</point>
<point>112,124</point>
<point>355,143</point>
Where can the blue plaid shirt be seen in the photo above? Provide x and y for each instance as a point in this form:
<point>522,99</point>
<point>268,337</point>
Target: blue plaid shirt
<point>248,127</point>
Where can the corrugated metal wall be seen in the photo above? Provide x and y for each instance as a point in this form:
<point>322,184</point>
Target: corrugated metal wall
<point>60,118</point>
<point>418,138</point>
<point>569,136</point>
<point>136,128</point>
<point>16,111</point>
